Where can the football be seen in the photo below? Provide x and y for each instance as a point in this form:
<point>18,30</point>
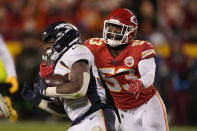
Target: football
<point>55,80</point>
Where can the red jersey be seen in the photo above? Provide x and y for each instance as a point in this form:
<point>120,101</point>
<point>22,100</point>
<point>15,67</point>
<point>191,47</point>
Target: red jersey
<point>116,71</point>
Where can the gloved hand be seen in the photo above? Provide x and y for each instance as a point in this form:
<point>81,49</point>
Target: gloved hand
<point>41,87</point>
<point>135,86</point>
<point>31,96</point>
<point>14,84</point>
<point>45,70</point>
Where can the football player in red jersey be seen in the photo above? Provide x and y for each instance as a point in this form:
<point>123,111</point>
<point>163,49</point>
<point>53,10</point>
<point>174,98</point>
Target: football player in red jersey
<point>127,67</point>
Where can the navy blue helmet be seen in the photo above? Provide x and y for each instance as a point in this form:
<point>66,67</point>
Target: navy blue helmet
<point>61,36</point>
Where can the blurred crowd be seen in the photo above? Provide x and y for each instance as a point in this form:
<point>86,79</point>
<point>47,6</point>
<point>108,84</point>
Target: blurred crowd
<point>168,24</point>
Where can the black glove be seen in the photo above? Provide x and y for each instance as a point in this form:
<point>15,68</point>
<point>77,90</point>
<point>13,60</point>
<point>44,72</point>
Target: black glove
<point>41,87</point>
<point>31,96</point>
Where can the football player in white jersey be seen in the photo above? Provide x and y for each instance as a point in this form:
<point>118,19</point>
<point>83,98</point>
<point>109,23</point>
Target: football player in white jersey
<point>8,78</point>
<point>83,96</point>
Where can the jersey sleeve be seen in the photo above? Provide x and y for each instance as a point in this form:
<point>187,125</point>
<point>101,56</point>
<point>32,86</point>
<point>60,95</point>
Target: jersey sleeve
<point>7,59</point>
<point>77,53</point>
<point>148,51</point>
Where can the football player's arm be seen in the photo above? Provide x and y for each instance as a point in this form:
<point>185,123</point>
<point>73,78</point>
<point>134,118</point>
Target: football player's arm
<point>52,107</point>
<point>7,59</point>
<point>9,66</point>
<point>147,69</point>
<point>78,84</point>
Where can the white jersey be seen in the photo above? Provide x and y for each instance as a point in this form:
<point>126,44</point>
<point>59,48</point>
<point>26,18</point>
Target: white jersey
<point>6,58</point>
<point>95,93</point>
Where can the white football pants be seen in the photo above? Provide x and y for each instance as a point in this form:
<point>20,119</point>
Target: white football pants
<point>150,116</point>
<point>94,122</point>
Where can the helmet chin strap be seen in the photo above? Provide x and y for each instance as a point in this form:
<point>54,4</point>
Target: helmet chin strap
<point>115,43</point>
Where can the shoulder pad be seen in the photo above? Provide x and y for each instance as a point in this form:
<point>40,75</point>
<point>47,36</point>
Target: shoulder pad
<point>138,42</point>
<point>94,41</point>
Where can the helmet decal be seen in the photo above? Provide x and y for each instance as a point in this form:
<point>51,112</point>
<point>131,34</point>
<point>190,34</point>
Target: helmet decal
<point>133,19</point>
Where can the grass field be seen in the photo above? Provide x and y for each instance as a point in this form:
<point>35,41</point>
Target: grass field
<point>58,126</point>
<point>33,126</point>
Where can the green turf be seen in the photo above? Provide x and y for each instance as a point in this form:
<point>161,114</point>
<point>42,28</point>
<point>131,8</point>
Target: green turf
<point>56,126</point>
<point>183,128</point>
<point>34,126</point>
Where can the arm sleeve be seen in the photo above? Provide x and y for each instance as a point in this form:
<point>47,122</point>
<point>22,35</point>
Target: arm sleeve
<point>147,71</point>
<point>7,59</point>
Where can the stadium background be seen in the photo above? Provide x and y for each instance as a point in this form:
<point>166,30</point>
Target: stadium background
<point>169,24</point>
